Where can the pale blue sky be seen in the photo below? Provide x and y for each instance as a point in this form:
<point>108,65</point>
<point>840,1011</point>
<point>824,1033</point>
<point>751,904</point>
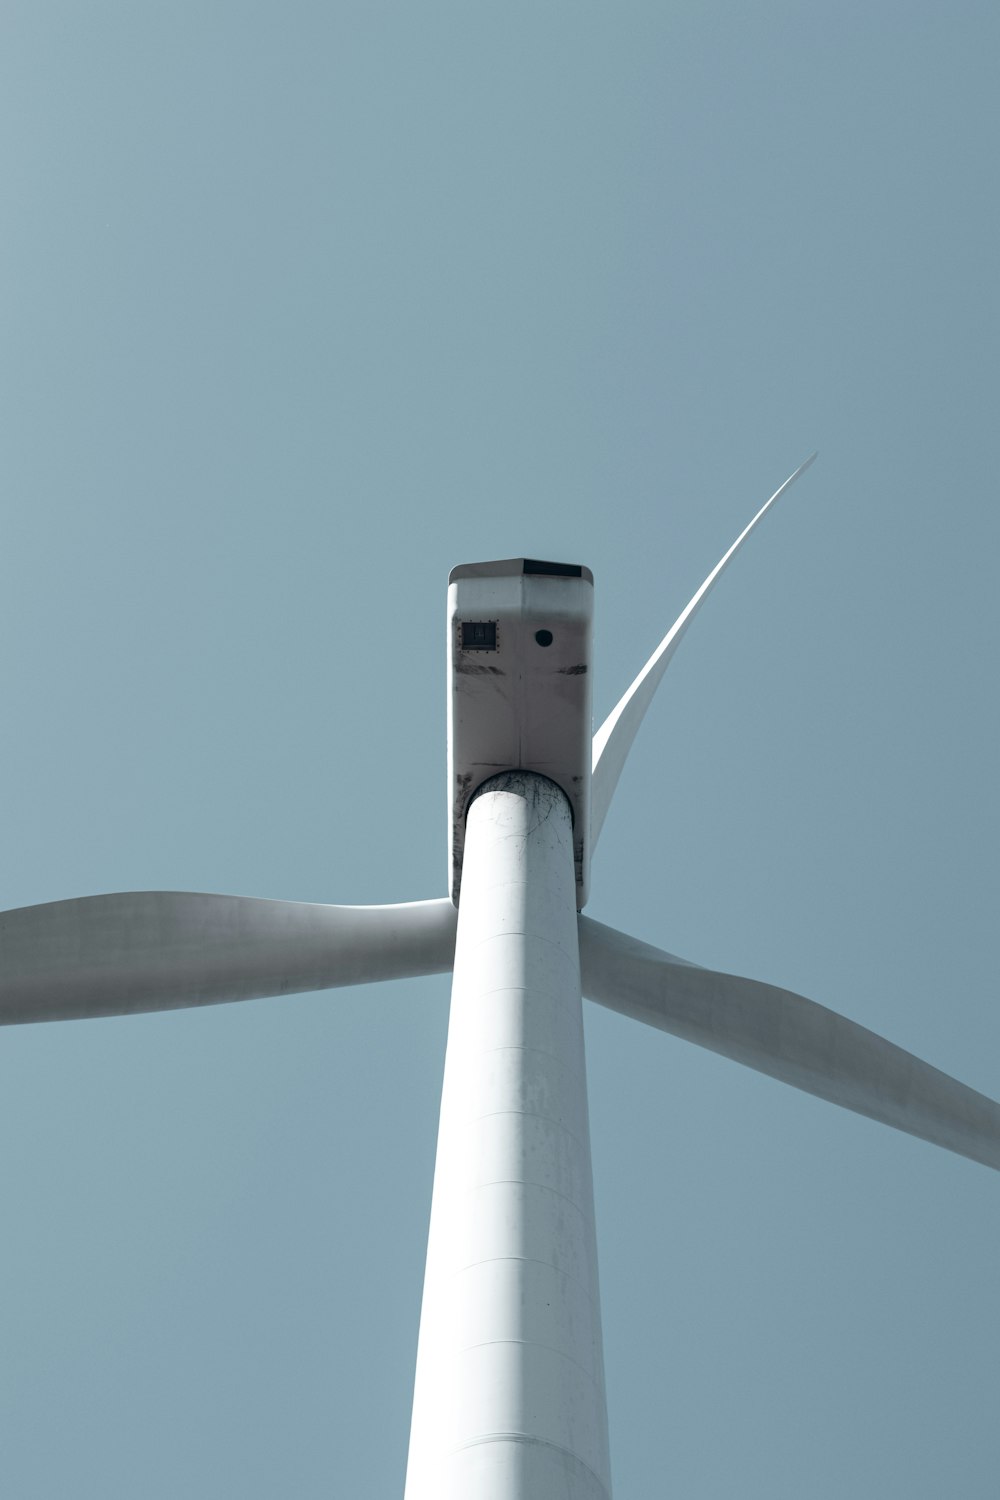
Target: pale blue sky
<point>302,306</point>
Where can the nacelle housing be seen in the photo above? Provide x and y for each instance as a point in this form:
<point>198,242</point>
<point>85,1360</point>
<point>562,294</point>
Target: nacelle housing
<point>519,696</point>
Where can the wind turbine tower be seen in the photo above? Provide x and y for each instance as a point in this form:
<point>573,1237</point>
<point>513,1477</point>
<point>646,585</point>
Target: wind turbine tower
<point>509,1401</point>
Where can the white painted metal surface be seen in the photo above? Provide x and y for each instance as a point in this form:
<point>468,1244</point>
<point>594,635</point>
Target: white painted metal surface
<point>519,695</point>
<point>509,1401</point>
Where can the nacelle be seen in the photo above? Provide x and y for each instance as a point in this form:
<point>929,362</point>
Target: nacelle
<point>519,652</point>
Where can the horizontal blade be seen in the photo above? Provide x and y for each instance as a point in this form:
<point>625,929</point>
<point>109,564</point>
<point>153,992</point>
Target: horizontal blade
<point>157,950</point>
<point>790,1038</point>
<point>613,740</point>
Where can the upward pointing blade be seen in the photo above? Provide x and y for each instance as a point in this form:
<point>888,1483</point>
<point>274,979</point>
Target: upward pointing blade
<point>156,950</point>
<point>613,740</point>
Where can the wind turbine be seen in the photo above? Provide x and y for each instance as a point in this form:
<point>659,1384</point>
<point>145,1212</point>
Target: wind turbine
<point>509,1399</point>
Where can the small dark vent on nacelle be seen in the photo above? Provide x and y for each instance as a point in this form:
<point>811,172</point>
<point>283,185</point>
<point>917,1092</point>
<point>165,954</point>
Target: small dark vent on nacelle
<point>479,635</point>
<point>553,570</point>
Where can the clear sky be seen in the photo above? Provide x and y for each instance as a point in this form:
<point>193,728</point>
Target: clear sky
<point>302,305</point>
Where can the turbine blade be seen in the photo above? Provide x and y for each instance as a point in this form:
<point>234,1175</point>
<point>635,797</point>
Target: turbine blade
<point>158,950</point>
<point>791,1038</point>
<point>613,740</point>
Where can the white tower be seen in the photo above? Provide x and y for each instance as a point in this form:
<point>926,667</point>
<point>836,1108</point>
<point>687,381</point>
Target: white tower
<point>509,1397</point>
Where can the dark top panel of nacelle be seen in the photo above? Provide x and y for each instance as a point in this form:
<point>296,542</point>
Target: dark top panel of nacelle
<point>512,567</point>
